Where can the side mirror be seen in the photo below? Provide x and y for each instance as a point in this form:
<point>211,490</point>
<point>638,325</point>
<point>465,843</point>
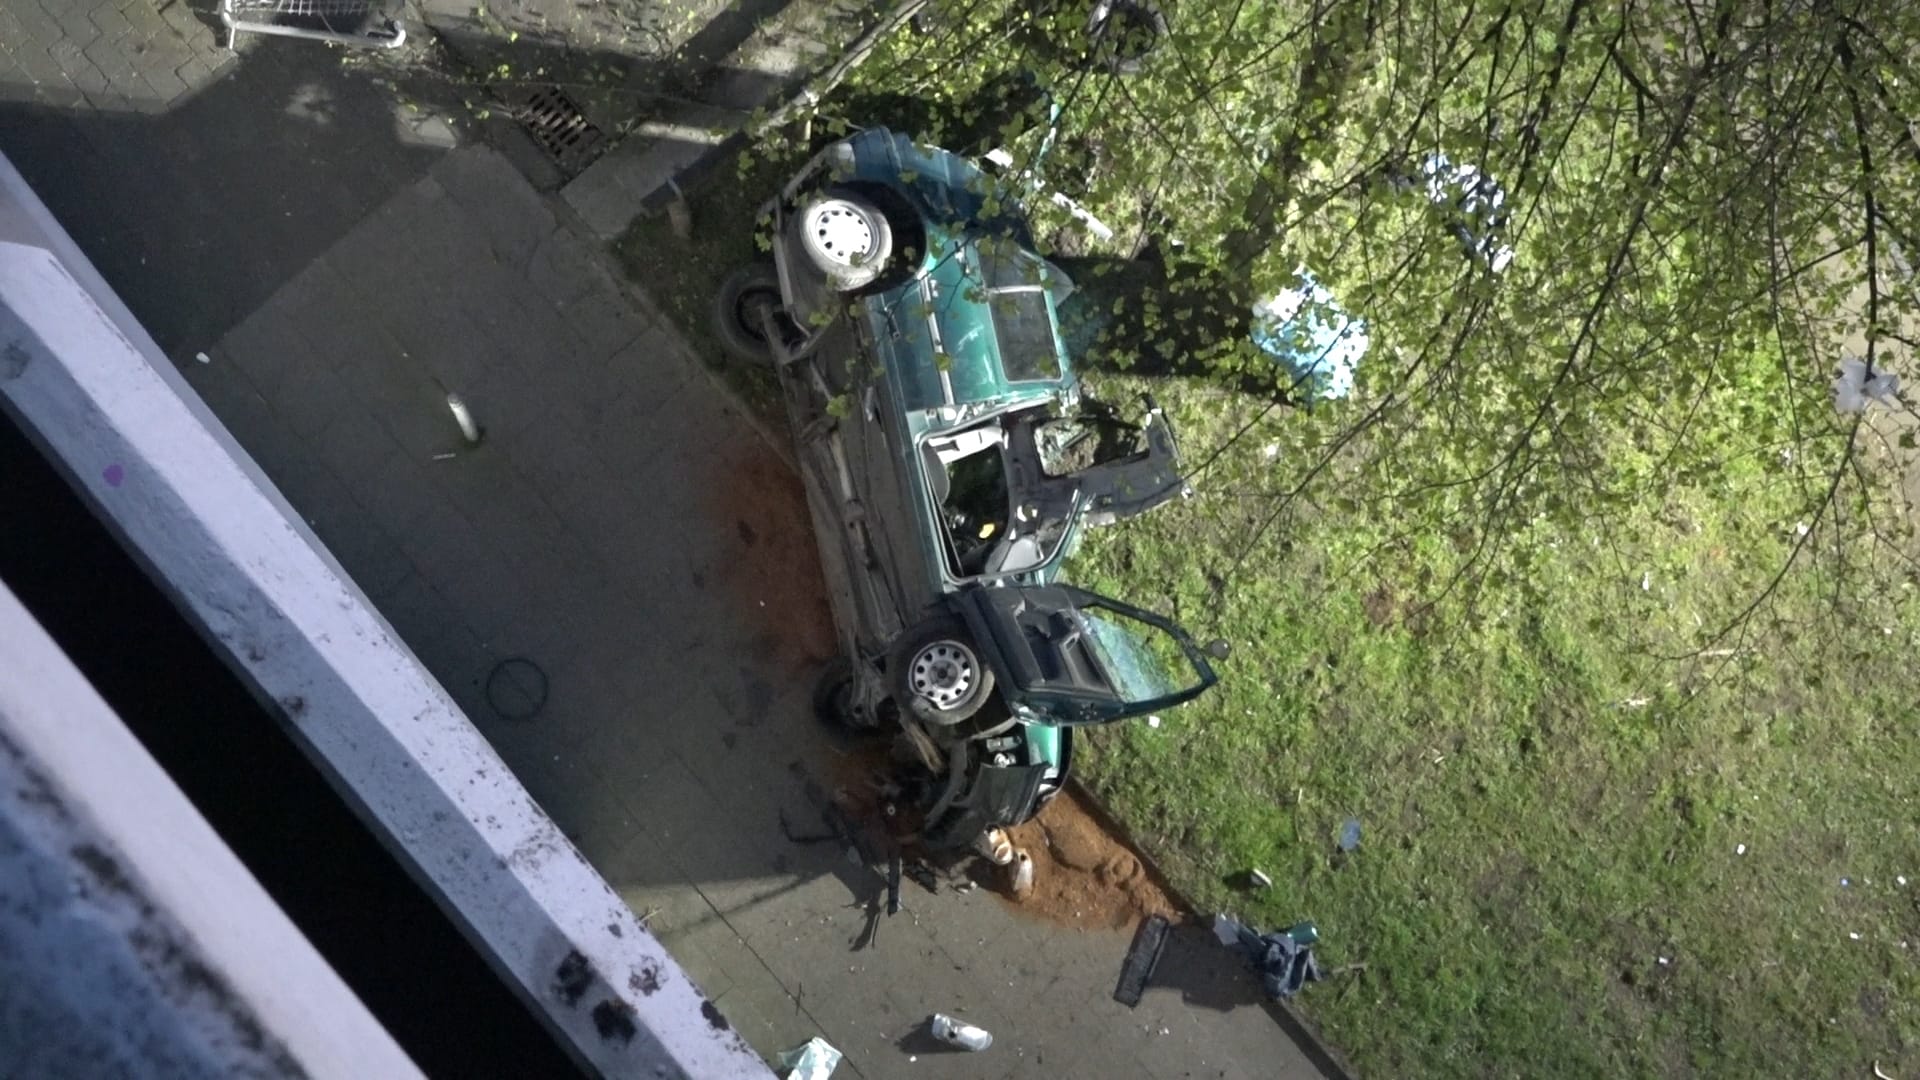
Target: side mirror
<point>1218,648</point>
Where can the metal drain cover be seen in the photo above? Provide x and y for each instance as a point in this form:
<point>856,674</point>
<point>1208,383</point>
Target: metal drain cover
<point>561,129</point>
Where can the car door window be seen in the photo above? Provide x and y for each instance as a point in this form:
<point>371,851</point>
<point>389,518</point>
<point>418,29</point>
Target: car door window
<point>1142,662</point>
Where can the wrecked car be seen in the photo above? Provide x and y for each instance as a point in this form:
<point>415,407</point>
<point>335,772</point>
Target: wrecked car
<point>952,463</point>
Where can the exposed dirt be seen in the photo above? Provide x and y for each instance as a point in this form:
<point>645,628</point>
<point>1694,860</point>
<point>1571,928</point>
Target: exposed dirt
<point>772,566</point>
<point>1082,876</point>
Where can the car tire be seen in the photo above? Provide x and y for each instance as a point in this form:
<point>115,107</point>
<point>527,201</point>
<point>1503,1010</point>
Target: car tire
<point>1124,33</point>
<point>844,237</point>
<point>833,697</point>
<point>736,304</point>
<point>936,673</point>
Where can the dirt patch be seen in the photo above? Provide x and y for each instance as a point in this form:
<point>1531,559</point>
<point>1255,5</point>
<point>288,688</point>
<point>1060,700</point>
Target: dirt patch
<point>1082,876</point>
<point>771,566</point>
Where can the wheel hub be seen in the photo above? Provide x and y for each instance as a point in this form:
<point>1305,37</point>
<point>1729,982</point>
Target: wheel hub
<point>840,232</point>
<point>942,673</point>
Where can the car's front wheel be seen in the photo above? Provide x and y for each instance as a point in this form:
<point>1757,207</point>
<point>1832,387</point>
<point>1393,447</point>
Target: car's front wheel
<point>937,673</point>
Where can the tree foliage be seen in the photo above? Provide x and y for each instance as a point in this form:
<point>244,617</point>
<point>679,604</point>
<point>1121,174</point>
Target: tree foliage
<point>1704,200</point>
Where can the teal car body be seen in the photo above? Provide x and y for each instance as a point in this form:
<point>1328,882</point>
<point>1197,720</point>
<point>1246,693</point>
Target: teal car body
<point>953,462</point>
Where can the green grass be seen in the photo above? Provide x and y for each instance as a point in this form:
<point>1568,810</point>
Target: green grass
<point>1547,883</point>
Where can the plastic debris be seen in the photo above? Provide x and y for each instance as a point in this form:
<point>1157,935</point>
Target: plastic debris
<point>1739,849</point>
<point>1284,958</point>
<point>996,846</point>
<point>1153,721</point>
<point>813,1060</point>
<point>1260,879</point>
<point>1022,873</point>
<point>959,1033</point>
<point>203,358</point>
<point>1857,384</point>
<point>1350,834</point>
<point>1143,956</point>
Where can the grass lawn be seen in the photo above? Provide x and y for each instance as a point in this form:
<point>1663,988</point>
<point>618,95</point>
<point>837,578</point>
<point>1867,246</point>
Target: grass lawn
<point>1576,859</point>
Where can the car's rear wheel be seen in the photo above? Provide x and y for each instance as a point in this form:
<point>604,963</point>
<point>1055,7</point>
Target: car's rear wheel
<point>937,674</point>
<point>740,310</point>
<point>845,237</point>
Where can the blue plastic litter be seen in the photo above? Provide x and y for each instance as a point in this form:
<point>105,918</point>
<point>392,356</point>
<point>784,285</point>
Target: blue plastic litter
<point>1312,336</point>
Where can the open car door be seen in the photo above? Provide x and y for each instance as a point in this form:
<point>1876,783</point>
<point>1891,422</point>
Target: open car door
<point>1075,657</point>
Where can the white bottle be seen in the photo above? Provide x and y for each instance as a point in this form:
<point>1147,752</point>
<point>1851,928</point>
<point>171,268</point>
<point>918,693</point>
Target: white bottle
<point>959,1032</point>
<point>1022,873</point>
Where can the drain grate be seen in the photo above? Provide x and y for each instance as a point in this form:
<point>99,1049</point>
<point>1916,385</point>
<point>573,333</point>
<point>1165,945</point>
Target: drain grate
<point>561,129</point>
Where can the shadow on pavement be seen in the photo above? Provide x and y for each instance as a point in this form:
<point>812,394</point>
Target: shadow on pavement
<point>198,213</point>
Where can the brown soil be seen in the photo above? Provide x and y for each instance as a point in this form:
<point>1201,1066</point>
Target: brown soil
<point>1082,876</point>
<point>772,566</point>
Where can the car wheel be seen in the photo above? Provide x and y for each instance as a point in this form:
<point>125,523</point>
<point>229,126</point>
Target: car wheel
<point>738,308</point>
<point>1124,33</point>
<point>937,674</point>
<point>833,696</point>
<point>845,237</point>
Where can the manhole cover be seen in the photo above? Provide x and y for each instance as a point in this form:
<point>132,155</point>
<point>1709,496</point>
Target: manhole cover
<point>517,689</point>
<point>561,129</point>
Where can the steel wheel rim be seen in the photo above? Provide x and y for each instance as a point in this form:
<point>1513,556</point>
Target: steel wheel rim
<point>942,673</point>
<point>839,231</point>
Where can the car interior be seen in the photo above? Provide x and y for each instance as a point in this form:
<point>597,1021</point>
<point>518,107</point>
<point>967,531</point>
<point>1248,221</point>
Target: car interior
<point>968,474</point>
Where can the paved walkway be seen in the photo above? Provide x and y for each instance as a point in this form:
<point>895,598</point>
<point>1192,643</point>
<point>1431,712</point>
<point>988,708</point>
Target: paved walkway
<point>624,528</point>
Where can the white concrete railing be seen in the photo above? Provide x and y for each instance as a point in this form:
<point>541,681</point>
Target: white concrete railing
<point>151,460</point>
<point>132,940</point>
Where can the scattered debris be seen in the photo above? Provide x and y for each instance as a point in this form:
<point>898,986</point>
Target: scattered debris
<point>1143,956</point>
<point>924,876</point>
<point>1350,834</point>
<point>1878,1075</point>
<point>1083,876</point>
<point>959,1032</point>
<point>996,846</point>
<point>813,1060</point>
<point>1260,879</point>
<point>1284,958</point>
<point>1022,874</point>
<point>1739,849</point>
<point>203,358</point>
<point>1902,880</point>
<point>1153,721</point>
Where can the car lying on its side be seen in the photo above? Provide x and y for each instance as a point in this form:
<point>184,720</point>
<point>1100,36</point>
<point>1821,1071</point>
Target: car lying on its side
<point>952,463</point>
